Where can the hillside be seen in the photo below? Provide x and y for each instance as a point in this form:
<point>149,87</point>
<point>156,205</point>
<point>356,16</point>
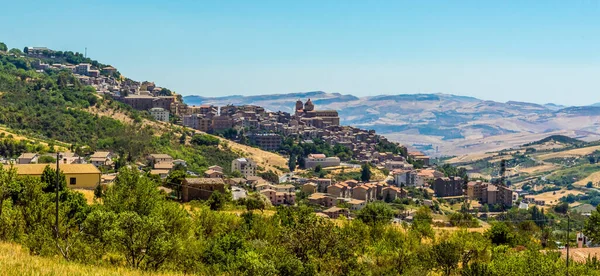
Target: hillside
<point>440,124</point>
<point>549,169</point>
<point>52,106</point>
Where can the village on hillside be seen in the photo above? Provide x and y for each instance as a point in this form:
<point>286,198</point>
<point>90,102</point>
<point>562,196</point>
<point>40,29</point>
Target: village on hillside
<point>339,184</point>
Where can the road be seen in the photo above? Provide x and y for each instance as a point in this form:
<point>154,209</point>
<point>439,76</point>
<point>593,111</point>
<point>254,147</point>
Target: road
<point>238,192</point>
<point>284,178</point>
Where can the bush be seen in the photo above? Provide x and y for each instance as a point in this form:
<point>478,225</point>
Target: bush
<point>205,140</point>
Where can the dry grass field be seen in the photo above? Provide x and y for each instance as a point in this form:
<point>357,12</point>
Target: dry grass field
<point>15,261</point>
<point>538,169</point>
<point>552,198</point>
<point>569,153</point>
<point>594,178</point>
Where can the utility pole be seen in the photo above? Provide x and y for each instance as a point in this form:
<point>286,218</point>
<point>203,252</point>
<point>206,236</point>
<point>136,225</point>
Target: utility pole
<point>85,52</point>
<point>57,186</point>
<point>568,232</point>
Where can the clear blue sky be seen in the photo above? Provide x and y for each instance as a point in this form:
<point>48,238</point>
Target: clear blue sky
<point>538,51</point>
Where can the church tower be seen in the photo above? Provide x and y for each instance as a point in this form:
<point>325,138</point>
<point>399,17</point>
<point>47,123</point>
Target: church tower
<point>309,106</point>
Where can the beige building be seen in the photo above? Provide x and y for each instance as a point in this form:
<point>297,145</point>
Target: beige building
<point>80,176</point>
<point>309,188</point>
<point>314,160</point>
<point>27,158</point>
<point>246,166</point>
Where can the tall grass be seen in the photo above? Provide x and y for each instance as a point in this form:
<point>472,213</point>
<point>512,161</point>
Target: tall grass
<point>16,261</point>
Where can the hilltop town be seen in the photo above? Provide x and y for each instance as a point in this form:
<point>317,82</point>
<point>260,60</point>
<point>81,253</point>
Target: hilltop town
<point>169,167</point>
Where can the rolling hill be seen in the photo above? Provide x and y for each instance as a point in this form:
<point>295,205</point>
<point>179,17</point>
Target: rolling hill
<point>440,124</point>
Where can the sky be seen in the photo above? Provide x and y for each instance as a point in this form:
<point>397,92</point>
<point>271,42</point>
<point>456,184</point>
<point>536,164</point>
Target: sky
<point>534,51</point>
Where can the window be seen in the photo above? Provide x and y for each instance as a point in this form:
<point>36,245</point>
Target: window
<point>72,180</point>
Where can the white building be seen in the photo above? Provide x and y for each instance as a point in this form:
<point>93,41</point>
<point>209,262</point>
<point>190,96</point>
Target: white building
<point>160,114</point>
<point>245,166</point>
<point>82,68</point>
<point>314,160</point>
<point>406,178</point>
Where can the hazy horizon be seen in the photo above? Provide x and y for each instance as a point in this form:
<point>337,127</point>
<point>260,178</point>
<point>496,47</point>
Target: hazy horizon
<point>539,52</point>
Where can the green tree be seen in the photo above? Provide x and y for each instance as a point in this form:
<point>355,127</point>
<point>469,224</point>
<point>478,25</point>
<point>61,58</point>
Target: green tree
<point>3,47</point>
<point>15,51</point>
<point>376,213</point>
<point>292,163</point>
<point>589,185</point>
<point>592,225</point>
<point>422,222</point>
<point>217,201</point>
<point>365,173</point>
<point>46,159</point>
<point>446,255</point>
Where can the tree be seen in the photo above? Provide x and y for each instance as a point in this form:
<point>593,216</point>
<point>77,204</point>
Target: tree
<point>501,233</point>
<point>376,213</point>
<point>589,185</point>
<point>422,222</point>
<point>562,208</point>
<point>217,201</point>
<point>46,159</point>
<point>365,173</point>
<point>183,138</point>
<point>318,168</point>
<point>292,163</point>
<point>592,225</point>
<point>257,201</point>
<point>3,47</point>
<point>205,140</point>
<point>301,163</point>
<point>446,255</point>
<point>15,51</point>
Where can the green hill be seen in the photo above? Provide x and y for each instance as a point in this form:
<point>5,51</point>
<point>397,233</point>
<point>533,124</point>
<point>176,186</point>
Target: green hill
<point>559,139</point>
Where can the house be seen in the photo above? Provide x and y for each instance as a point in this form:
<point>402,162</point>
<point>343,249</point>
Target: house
<point>391,193</point>
<point>182,163</point>
<point>357,204</point>
<point>404,178</point>
<point>252,181</point>
<point>213,174</point>
<point>322,199</point>
<point>215,168</point>
<point>323,183</point>
<point>201,188</point>
<point>235,181</point>
<point>160,114</point>
<point>263,186</point>
<point>158,158</point>
<point>286,188</point>
<point>336,212</point>
<point>487,193</point>
<point>279,198</point>
<point>314,160</point>
<point>266,141</point>
<point>101,158</point>
<point>162,173</point>
<point>28,158</point>
<point>339,190</point>
<point>163,166</point>
<point>80,176</point>
<point>309,188</point>
<point>448,186</point>
<point>419,156</point>
<point>246,166</point>
<point>363,192</point>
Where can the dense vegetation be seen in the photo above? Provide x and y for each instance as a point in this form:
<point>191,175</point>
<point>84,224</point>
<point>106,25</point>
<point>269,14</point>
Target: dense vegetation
<point>132,224</point>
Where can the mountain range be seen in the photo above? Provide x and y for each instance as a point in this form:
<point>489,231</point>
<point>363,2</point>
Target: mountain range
<point>439,124</point>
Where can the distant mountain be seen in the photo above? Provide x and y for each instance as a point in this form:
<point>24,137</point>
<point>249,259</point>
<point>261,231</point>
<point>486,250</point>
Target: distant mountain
<point>596,104</point>
<point>440,124</point>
